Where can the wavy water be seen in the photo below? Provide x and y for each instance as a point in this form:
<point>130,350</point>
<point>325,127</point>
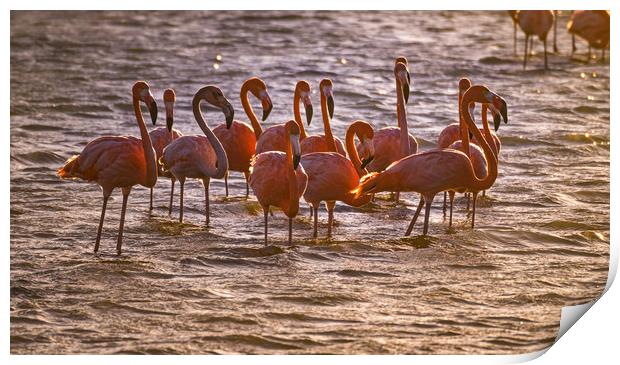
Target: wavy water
<point>542,232</point>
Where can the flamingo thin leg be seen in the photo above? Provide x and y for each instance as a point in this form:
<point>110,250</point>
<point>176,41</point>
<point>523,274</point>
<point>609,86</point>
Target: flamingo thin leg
<point>415,217</point>
<point>226,183</point>
<point>171,196</point>
<point>119,243</point>
<point>151,202</point>
<point>290,231</point>
<point>247,184</point>
<point>527,38</point>
<point>444,203</point>
<point>266,212</point>
<point>205,182</point>
<point>427,214</point>
<point>451,201</point>
<point>181,203</point>
<point>105,204</point>
<point>315,211</point>
<point>473,215</point>
<point>545,46</point>
<point>330,214</point>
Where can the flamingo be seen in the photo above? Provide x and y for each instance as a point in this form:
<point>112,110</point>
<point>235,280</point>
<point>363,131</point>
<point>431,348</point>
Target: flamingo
<point>118,161</point>
<point>452,133</point>
<point>327,142</point>
<point>437,170</point>
<point>591,25</point>
<point>278,179</point>
<point>331,176</point>
<point>196,156</point>
<point>515,21</point>
<point>161,137</point>
<point>535,22</point>
<point>239,138</point>
<point>393,143</point>
<point>275,138</point>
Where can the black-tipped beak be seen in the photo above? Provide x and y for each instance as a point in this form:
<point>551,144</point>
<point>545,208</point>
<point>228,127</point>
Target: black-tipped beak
<point>309,112</point>
<point>366,161</point>
<point>408,78</point>
<point>496,121</point>
<point>267,106</point>
<point>169,122</point>
<point>406,92</point>
<point>330,105</point>
<point>296,159</point>
<point>471,135</point>
<point>153,111</point>
<point>229,113</point>
<point>504,112</point>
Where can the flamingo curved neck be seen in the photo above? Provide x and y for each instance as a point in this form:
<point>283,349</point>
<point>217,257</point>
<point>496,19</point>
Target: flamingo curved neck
<point>293,198</point>
<point>352,151</point>
<point>147,146</point>
<point>477,184</point>
<point>401,115</point>
<point>463,129</point>
<point>329,137</point>
<point>297,112</point>
<point>487,130</point>
<point>245,101</point>
<point>222,160</point>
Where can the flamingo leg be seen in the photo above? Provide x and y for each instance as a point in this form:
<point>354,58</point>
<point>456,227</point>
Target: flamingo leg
<point>451,201</point>
<point>589,53</point>
<point>484,193</point>
<point>415,217</point>
<point>574,47</point>
<point>311,211</point>
<point>531,46</point>
<point>181,203</point>
<point>151,202</point>
<point>396,198</point>
<point>290,231</point>
<point>247,184</point>
<point>119,243</point>
<point>545,46</point>
<point>603,55</point>
<point>315,210</point>
<point>266,212</point>
<point>106,196</point>
<point>226,183</point>
<point>555,32</point>
<point>427,214</point>
<point>330,214</point>
<point>444,203</point>
<point>473,215</point>
<point>468,201</point>
<point>527,38</point>
<point>171,196</point>
<point>514,38</point>
<point>205,182</point>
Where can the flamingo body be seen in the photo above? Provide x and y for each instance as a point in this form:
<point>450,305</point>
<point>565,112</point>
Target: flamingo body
<point>190,157</point>
<point>272,139</point>
<point>318,143</point>
<point>476,156</point>
<point>592,26</point>
<point>452,133</point>
<point>387,149</point>
<point>239,143</point>
<point>330,184</point>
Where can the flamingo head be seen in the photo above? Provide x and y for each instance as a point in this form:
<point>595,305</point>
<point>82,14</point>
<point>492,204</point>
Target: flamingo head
<point>401,72</point>
<point>496,117</point>
<point>302,89</point>
<point>365,133</point>
<point>497,103</point>
<point>169,99</point>
<point>293,131</point>
<point>327,88</point>
<point>258,88</point>
<point>142,92</point>
<point>403,59</point>
<point>464,84</point>
<point>214,96</point>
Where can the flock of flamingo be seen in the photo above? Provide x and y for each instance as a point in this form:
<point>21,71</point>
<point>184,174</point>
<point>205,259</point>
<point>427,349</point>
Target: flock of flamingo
<point>283,163</point>
<point>591,25</point>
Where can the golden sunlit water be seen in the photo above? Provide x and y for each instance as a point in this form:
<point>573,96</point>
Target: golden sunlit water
<point>542,232</point>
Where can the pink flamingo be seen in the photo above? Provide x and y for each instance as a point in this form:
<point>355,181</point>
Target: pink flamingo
<point>118,161</point>
<point>239,138</point>
<point>591,25</point>
<point>199,157</point>
<point>393,143</point>
<point>535,22</point>
<point>324,142</point>
<point>278,179</point>
<point>331,176</point>
<point>437,170</point>
<point>276,138</point>
<point>161,137</point>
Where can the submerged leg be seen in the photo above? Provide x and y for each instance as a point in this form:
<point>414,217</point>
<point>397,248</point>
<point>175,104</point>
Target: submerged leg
<point>429,203</point>
<point>182,181</point>
<point>205,182</point>
<point>397,197</point>
<point>415,217</point>
<point>330,216</point>
<point>171,196</point>
<point>106,196</point>
<point>119,243</point>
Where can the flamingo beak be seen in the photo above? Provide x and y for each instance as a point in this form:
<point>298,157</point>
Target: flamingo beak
<point>405,88</point>
<point>229,113</point>
<point>330,105</point>
<point>169,114</point>
<point>503,110</point>
<point>296,159</point>
<point>267,106</point>
<point>308,108</point>
<point>153,110</point>
<point>366,161</point>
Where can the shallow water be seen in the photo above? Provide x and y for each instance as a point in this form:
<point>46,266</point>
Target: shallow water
<point>542,233</point>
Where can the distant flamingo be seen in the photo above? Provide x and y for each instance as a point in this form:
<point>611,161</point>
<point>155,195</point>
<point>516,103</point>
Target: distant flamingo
<point>515,21</point>
<point>239,138</point>
<point>275,138</point>
<point>199,157</point>
<point>324,142</point>
<point>161,137</point>
<point>331,176</point>
<point>393,143</point>
<point>437,170</point>
<point>591,25</point>
<point>119,161</point>
<point>535,22</point>
<point>277,178</point>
